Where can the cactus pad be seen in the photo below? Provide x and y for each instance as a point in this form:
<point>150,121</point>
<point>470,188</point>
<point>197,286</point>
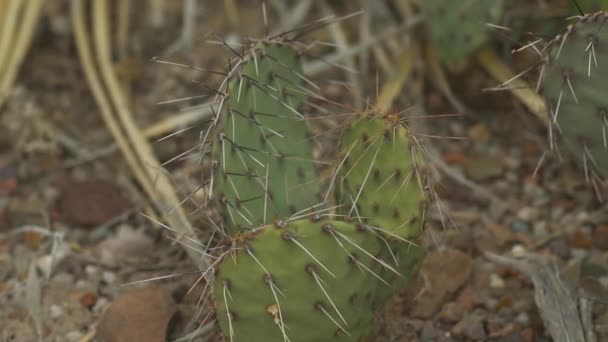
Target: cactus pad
<point>381,170</point>
<point>458,28</point>
<point>575,87</point>
<point>263,152</point>
<point>308,280</point>
<point>379,177</point>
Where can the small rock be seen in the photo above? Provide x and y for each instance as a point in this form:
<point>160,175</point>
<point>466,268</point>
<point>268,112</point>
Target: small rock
<point>479,133</point>
<point>128,242</point>
<point>451,312</point>
<point>100,305</point>
<point>442,274</point>
<point>513,337</point>
<point>471,327</point>
<point>560,248</point>
<point>528,335</point>
<point>74,336</point>
<point>92,202</point>
<point>519,251</point>
<point>91,271</point>
<point>482,168</point>
<point>8,178</point>
<point>600,237</point>
<point>47,263</point>
<point>580,239</point>
<point>88,299</point>
<point>520,226</point>
<point>496,282</point>
<point>523,319</point>
<point>55,311</point>
<point>140,315</point>
<point>108,277</point>
<point>428,332</point>
<point>528,214</point>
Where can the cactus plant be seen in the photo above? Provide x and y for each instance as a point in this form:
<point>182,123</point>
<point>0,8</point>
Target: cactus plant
<point>575,88</point>
<point>306,280</point>
<point>380,181</point>
<point>264,156</point>
<point>457,28</point>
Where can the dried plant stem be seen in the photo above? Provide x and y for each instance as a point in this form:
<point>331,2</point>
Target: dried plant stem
<point>95,54</point>
<point>18,19</point>
<point>520,89</point>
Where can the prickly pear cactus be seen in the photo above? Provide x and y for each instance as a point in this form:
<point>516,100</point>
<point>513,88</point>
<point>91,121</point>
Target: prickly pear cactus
<point>576,90</point>
<point>307,280</point>
<point>458,28</point>
<point>263,152</point>
<point>380,181</point>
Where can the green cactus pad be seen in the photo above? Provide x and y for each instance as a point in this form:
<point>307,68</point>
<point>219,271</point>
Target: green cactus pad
<point>458,28</point>
<point>380,170</point>
<point>310,279</point>
<point>265,166</point>
<point>575,87</point>
<point>379,154</point>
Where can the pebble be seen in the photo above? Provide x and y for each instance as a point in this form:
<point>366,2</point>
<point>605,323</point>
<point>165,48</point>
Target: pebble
<point>74,336</point>
<point>520,226</point>
<point>90,203</point>
<point>428,332</point>
<point>600,237</point>
<point>560,248</point>
<point>108,277</point>
<point>100,305</point>
<point>528,214</point>
<point>139,315</point>
<point>91,271</point>
<point>81,284</point>
<point>55,311</point>
<point>519,251</point>
<point>496,282</point>
<point>523,319</point>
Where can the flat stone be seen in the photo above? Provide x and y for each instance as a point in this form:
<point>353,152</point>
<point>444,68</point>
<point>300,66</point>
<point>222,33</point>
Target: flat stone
<point>140,315</point>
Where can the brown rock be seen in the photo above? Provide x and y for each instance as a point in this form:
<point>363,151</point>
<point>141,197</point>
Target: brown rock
<point>600,237</point>
<point>479,133</point>
<point>88,299</point>
<point>442,273</point>
<point>483,168</point>
<point>92,202</point>
<point>580,239</point>
<point>140,315</point>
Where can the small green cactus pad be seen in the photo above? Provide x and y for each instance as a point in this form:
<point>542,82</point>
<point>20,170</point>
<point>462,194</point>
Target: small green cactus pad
<point>458,28</point>
<point>265,167</point>
<point>307,280</point>
<point>576,89</point>
<point>379,177</point>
